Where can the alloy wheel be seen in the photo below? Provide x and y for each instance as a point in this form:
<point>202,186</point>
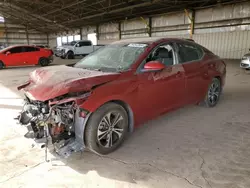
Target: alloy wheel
<point>214,92</point>
<point>110,129</point>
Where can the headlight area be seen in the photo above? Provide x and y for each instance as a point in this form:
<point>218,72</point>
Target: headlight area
<point>58,121</point>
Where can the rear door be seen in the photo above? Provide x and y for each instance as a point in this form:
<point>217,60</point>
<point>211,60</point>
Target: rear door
<point>84,47</point>
<point>190,56</point>
<point>14,56</point>
<point>31,55</point>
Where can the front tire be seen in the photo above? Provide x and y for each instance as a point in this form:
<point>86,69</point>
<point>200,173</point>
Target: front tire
<point>213,93</point>
<point>70,55</point>
<point>1,65</point>
<point>106,129</point>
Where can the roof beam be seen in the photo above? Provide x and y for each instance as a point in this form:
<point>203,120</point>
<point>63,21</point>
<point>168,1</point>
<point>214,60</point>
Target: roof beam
<point>38,2</point>
<point>24,21</point>
<point>64,7</point>
<point>12,6</point>
<point>114,11</point>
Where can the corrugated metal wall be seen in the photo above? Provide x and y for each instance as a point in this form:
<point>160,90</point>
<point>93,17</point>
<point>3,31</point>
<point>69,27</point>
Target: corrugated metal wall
<point>231,45</point>
<point>13,34</point>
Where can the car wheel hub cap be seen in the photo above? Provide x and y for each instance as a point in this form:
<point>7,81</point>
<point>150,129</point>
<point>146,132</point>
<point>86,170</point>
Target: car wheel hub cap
<point>110,129</point>
<point>213,93</point>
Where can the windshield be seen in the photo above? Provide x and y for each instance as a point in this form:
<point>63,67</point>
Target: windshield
<point>112,58</point>
<point>72,43</point>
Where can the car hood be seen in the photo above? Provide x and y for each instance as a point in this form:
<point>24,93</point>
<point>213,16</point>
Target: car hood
<point>50,82</point>
<point>64,47</point>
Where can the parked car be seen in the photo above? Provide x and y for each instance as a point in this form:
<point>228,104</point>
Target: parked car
<point>94,103</point>
<point>245,61</point>
<point>76,48</point>
<point>25,55</point>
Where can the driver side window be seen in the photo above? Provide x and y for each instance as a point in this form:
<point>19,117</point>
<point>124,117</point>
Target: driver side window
<point>163,53</point>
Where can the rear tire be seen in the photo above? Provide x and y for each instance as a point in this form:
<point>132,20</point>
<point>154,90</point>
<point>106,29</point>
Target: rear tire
<point>106,129</point>
<point>43,61</point>
<point>1,65</point>
<point>213,93</point>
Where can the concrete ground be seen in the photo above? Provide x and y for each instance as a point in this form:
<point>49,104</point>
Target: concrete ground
<point>193,147</point>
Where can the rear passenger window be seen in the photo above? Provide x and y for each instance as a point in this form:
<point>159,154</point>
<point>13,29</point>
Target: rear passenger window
<point>85,43</point>
<point>30,49</point>
<point>189,52</point>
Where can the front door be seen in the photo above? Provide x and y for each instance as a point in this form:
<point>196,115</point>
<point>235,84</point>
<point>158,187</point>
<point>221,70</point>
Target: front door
<point>14,56</point>
<point>164,90</point>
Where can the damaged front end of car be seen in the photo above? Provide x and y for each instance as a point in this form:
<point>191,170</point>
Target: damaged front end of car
<point>59,121</point>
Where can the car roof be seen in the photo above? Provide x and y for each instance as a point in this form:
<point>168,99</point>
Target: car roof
<point>146,40</point>
<point>25,45</point>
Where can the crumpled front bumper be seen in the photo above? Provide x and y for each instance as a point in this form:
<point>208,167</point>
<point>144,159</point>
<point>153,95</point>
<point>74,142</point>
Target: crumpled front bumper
<point>59,53</point>
<point>63,148</point>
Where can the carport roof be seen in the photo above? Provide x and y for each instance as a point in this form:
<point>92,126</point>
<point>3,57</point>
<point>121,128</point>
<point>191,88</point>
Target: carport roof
<point>62,15</point>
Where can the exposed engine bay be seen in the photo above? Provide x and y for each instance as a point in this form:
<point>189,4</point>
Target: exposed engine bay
<point>52,122</point>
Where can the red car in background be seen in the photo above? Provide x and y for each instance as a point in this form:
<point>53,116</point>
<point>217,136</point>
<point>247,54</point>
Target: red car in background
<point>96,102</point>
<point>25,55</point>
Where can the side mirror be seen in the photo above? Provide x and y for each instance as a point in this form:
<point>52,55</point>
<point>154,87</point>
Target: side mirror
<point>8,53</point>
<point>153,66</point>
<point>77,45</point>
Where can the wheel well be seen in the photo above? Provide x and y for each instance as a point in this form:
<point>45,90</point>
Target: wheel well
<point>2,63</point>
<point>70,51</point>
<point>128,110</point>
<point>219,78</point>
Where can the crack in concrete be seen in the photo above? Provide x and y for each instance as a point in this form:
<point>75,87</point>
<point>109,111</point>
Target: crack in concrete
<point>201,166</point>
<point>21,173</point>
<point>153,166</point>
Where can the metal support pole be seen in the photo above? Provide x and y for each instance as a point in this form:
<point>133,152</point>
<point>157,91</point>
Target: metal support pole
<point>47,39</point>
<point>97,32</point>
<point>80,33</point>
<point>27,35</point>
<point>119,30</point>
<point>150,26</point>
<point>192,21</point>
<point>6,33</point>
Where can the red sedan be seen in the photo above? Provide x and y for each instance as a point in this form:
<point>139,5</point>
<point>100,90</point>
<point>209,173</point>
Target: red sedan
<point>96,102</point>
<point>25,55</point>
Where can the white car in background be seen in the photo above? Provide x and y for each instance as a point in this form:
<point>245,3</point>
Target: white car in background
<point>76,48</point>
<point>245,61</point>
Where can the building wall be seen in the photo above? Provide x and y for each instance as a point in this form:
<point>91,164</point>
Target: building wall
<point>13,34</point>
